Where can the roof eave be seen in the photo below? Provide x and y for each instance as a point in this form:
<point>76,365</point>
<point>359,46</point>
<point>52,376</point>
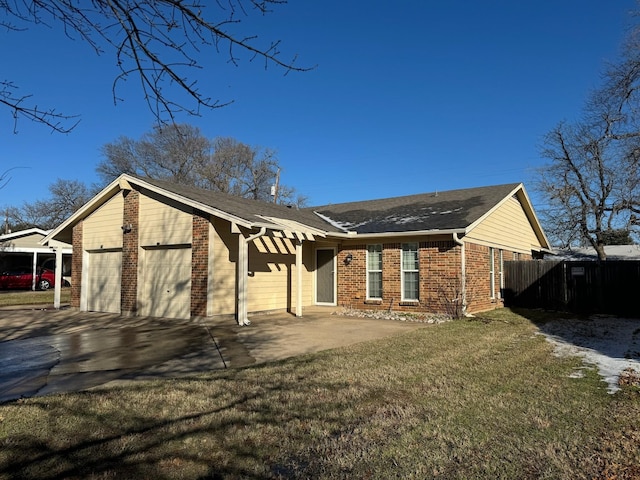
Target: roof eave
<point>525,201</point>
<point>409,233</point>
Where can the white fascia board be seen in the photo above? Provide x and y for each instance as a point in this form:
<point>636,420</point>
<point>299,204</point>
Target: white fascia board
<point>414,233</point>
<point>292,225</point>
<point>22,233</point>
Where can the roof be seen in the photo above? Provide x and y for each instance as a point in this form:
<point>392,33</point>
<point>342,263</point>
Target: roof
<point>23,233</point>
<point>251,211</point>
<point>437,212</point>
<point>613,252</point>
<point>448,210</point>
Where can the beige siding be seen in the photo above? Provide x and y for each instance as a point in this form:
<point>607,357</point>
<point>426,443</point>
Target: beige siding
<point>507,227</point>
<point>223,247</point>
<point>29,241</point>
<point>163,223</point>
<point>273,278</point>
<point>272,272</point>
<point>103,228</point>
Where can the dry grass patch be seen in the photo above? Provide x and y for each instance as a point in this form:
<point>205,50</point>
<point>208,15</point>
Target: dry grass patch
<point>465,399</point>
<point>33,298</point>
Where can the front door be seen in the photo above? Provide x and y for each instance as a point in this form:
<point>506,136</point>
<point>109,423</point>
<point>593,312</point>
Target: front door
<point>325,276</point>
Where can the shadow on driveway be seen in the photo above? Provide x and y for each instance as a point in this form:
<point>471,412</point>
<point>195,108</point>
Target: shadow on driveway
<point>50,351</point>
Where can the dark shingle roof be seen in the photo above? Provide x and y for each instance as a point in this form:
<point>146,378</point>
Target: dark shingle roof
<point>448,210</point>
<point>243,208</point>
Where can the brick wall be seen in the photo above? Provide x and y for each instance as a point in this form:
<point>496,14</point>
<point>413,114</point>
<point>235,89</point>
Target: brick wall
<point>199,264</point>
<point>439,277</point>
<point>478,276</point>
<point>129,286</point>
<point>76,265</point>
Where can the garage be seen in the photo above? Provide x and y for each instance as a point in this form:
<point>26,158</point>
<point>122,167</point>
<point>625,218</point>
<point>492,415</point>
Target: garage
<point>104,279</point>
<point>166,282</point>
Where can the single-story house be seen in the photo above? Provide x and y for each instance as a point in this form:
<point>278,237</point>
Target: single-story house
<point>150,247</point>
<point>24,249</point>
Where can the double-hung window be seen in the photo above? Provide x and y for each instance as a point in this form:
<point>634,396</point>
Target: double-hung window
<point>374,271</point>
<point>410,271</point>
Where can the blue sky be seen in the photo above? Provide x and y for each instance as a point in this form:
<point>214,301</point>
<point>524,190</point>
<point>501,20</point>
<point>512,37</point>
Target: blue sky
<point>407,96</point>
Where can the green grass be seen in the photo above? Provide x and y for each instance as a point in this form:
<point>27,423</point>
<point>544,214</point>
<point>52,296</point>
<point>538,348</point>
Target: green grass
<point>481,399</point>
<point>26,297</point>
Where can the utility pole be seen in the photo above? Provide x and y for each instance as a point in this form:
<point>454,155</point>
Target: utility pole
<point>275,187</point>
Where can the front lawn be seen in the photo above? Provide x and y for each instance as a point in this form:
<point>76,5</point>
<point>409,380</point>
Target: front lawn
<point>27,297</point>
<point>482,399</point>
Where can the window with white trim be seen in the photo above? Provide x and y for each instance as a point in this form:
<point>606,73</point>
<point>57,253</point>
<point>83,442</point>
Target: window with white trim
<point>492,272</point>
<point>410,271</point>
<point>374,271</point>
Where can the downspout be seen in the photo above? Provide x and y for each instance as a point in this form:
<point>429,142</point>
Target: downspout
<point>243,275</point>
<point>463,271</point>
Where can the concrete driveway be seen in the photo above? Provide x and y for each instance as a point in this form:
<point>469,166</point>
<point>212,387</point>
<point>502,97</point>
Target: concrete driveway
<point>44,351</point>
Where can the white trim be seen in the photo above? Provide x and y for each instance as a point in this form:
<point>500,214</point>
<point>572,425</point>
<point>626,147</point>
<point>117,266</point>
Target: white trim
<point>412,233</point>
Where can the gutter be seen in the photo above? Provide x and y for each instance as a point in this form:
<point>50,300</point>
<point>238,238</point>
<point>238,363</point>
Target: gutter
<point>412,233</point>
<point>463,271</point>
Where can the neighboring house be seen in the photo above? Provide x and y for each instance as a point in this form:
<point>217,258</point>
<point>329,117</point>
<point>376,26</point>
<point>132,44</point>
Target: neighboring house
<point>147,247</point>
<point>613,252</point>
<point>24,249</point>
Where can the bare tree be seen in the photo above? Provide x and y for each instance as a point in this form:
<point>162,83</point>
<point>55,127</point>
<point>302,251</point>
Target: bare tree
<point>158,41</point>
<point>586,184</point>
<point>174,153</point>
<point>592,180</point>
<point>66,197</point>
<point>181,154</point>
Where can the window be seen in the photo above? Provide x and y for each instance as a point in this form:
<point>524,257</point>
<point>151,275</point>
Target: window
<point>492,272</point>
<point>374,271</point>
<point>410,272</point>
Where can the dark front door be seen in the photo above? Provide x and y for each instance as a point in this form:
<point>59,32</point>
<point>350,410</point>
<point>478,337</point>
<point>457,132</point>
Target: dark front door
<point>325,274</point>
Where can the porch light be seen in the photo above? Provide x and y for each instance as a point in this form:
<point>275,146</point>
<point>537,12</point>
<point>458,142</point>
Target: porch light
<point>348,259</point>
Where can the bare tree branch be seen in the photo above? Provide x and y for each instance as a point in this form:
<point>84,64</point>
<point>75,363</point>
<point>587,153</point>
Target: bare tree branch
<point>159,41</point>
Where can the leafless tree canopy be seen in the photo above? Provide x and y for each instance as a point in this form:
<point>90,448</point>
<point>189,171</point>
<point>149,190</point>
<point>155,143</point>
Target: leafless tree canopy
<point>181,154</point>
<point>66,196</point>
<point>157,41</point>
<point>592,179</point>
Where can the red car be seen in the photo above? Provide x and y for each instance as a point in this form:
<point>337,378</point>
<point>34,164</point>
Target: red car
<point>23,278</point>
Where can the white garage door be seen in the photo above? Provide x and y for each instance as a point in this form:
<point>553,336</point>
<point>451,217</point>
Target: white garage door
<point>167,283</point>
<point>104,280</point>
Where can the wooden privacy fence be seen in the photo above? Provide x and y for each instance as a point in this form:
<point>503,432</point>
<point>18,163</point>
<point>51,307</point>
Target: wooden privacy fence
<point>574,286</point>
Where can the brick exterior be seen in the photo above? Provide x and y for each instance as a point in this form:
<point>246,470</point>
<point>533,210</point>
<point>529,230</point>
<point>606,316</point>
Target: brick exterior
<point>129,286</point>
<point>199,264</point>
<point>76,265</point>
<point>440,278</point>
